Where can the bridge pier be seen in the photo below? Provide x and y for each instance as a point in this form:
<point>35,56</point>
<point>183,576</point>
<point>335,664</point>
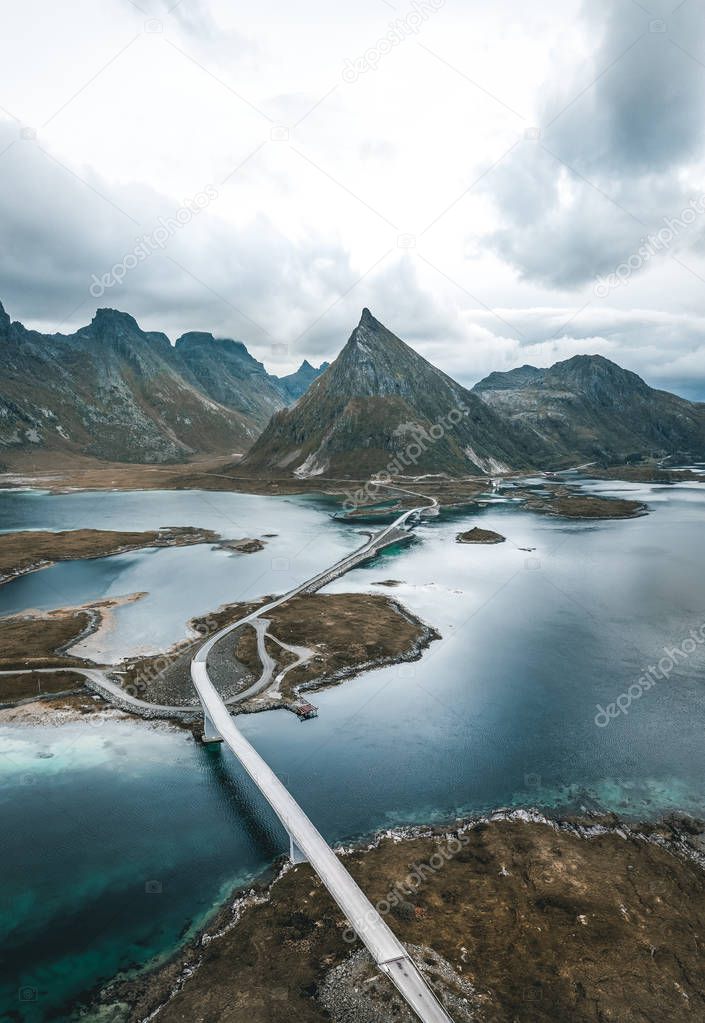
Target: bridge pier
<point>210,732</point>
<point>295,854</point>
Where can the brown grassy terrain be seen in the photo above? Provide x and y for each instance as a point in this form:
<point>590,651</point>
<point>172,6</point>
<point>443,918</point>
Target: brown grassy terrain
<point>22,552</point>
<point>581,506</point>
<point>212,474</point>
<point>347,630</point>
<point>36,639</point>
<point>546,925</point>
<point>572,504</point>
<point>26,686</point>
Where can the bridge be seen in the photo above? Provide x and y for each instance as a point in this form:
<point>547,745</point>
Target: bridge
<point>306,842</point>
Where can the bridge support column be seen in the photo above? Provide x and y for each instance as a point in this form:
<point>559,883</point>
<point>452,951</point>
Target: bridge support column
<point>295,854</point>
<point>210,732</point>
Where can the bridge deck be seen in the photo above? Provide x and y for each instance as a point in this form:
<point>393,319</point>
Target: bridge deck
<point>386,949</point>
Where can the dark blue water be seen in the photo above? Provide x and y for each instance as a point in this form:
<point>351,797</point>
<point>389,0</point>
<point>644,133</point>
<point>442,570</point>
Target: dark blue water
<point>500,712</point>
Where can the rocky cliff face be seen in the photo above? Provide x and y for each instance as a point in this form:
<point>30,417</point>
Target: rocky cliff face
<point>382,407</point>
<point>227,372</point>
<point>590,409</point>
<point>120,393</point>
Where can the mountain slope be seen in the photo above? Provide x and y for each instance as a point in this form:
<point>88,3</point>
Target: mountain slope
<point>588,408</point>
<point>227,372</point>
<point>382,407</point>
<point>296,384</point>
<point>117,392</point>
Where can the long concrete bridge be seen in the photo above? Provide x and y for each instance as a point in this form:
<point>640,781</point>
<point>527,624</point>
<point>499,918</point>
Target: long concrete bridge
<point>306,842</point>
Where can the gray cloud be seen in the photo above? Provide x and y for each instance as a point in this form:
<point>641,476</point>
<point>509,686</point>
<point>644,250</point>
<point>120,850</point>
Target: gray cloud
<point>257,285</point>
<point>61,235</point>
<point>610,162</point>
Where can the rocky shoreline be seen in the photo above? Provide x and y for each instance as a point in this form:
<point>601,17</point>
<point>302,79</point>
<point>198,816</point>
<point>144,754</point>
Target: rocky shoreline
<point>487,849</point>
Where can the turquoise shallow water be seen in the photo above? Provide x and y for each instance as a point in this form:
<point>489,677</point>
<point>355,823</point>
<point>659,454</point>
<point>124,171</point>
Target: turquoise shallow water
<point>500,712</point>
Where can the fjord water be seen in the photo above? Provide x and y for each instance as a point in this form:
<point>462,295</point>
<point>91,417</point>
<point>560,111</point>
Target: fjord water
<point>118,838</point>
<point>178,582</point>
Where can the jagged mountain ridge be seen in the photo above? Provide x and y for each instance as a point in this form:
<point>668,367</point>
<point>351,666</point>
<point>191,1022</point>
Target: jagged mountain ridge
<point>589,408</point>
<point>296,384</point>
<point>366,411</point>
<point>119,393</point>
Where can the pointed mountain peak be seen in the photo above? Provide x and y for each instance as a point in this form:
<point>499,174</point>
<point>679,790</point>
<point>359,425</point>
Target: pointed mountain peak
<point>370,327</point>
<point>372,403</point>
<point>368,320</point>
<point>372,348</point>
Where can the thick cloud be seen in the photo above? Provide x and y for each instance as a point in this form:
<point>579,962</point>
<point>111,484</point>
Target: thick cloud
<point>331,195</point>
<point>618,137</point>
<point>64,239</point>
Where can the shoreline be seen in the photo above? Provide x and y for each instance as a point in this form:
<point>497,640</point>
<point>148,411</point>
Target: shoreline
<point>152,988</point>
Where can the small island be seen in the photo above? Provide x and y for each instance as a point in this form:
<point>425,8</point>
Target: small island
<point>477,535</point>
<point>267,666</point>
<point>247,545</point>
<point>571,502</point>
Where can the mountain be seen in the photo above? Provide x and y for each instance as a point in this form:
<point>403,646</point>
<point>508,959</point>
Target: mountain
<point>382,407</point>
<point>227,372</point>
<point>117,392</point>
<point>590,409</point>
<point>296,384</point>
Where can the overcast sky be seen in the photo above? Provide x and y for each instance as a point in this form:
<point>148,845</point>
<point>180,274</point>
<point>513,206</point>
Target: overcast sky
<point>482,175</point>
